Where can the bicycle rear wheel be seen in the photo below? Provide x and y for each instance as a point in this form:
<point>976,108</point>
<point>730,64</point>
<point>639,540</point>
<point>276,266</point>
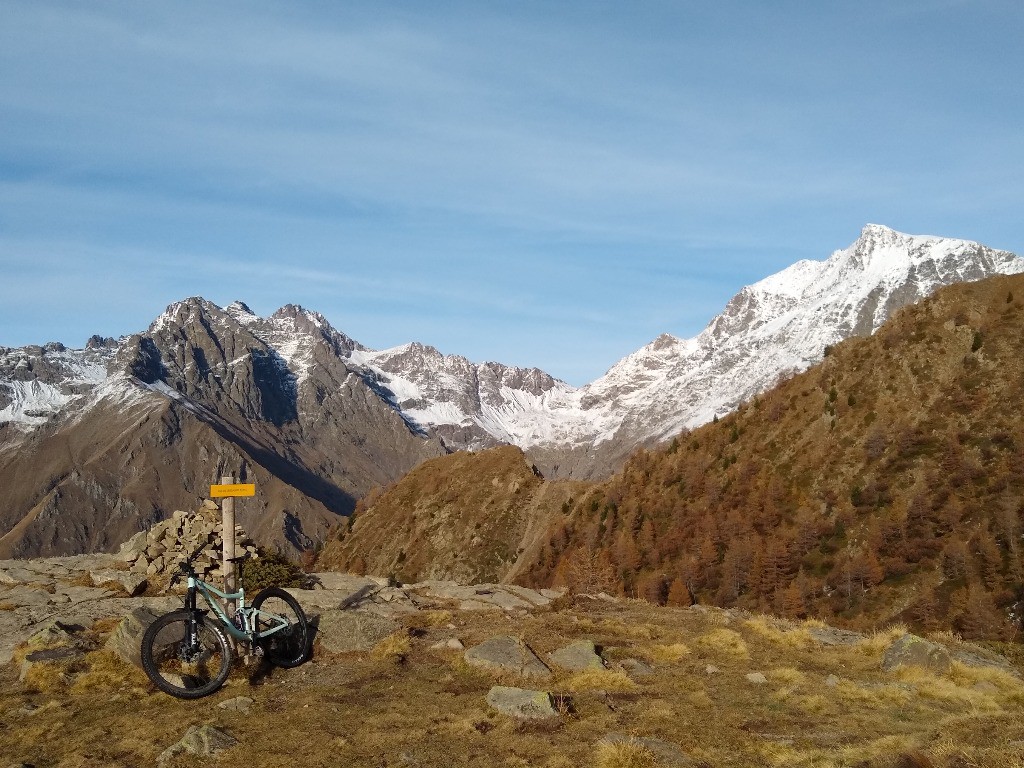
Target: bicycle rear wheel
<point>183,663</point>
<point>287,647</point>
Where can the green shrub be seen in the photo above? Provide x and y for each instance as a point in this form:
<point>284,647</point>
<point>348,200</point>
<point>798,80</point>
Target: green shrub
<point>270,569</point>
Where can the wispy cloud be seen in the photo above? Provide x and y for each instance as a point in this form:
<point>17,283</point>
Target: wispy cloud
<point>492,171</point>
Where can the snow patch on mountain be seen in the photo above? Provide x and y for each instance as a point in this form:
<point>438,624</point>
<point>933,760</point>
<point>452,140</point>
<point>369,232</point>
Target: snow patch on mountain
<point>38,382</point>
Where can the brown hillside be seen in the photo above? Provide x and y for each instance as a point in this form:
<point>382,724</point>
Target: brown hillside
<point>886,482</point>
<point>470,517</point>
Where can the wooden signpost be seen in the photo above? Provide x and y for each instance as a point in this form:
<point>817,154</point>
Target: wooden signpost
<point>228,490</point>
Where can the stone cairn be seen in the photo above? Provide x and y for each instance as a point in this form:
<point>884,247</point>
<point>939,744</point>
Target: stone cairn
<point>168,543</point>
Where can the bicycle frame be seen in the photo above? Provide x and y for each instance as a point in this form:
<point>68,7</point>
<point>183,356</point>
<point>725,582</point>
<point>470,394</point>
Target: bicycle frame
<point>248,631</point>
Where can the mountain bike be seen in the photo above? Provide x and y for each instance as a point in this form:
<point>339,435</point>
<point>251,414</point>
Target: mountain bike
<point>186,653</point>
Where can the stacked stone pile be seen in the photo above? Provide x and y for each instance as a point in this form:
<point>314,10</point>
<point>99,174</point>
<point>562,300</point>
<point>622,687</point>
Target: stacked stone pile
<point>170,542</point>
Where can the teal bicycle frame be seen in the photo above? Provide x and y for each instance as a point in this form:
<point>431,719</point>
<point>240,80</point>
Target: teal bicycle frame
<point>247,632</point>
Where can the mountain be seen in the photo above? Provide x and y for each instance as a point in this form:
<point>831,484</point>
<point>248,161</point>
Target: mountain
<point>769,330</point>
<point>884,484</point>
<point>98,442</point>
<point>102,442</point>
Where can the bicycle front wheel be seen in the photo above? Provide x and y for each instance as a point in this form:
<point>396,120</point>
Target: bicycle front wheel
<point>186,656</point>
<point>280,615</point>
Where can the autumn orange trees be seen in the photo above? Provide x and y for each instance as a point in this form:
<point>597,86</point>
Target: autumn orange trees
<point>887,482</point>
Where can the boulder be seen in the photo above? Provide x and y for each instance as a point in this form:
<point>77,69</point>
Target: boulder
<point>347,631</point>
<point>578,656</point>
<point>126,640</point>
<point>913,651</point>
<point>132,548</point>
<point>522,704</point>
<point>507,654</point>
<point>133,583</point>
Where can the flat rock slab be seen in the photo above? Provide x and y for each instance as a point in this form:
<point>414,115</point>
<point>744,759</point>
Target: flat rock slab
<point>834,637</point>
<point>203,741</point>
<point>346,582</point>
<point>913,651</point>
<point>25,596</point>
<point>507,654</point>
<point>336,599</point>
<point>238,704</point>
<point>348,631</point>
<point>667,753</point>
<point>578,656</point>
<point>522,704</point>
<point>506,597</point>
<point>636,668</point>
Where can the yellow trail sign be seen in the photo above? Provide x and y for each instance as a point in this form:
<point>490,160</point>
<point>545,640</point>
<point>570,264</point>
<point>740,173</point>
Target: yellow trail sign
<point>238,489</point>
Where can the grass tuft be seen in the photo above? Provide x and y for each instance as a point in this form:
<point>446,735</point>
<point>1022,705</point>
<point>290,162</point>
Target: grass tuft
<point>667,653</point>
<point>879,641</point>
<point>778,634</point>
<point>394,648</point>
<point>724,642</point>
<point>625,754</point>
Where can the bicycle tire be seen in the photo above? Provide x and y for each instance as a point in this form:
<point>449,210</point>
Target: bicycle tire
<point>178,670</point>
<point>290,647</point>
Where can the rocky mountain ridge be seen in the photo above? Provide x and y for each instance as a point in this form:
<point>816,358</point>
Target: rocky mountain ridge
<point>321,419</point>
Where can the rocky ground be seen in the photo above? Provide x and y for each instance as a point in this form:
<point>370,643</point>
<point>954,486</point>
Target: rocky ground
<point>440,674</point>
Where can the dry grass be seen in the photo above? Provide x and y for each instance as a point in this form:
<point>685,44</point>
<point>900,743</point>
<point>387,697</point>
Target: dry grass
<point>941,688</point>
<point>780,633</point>
<point>105,671</point>
<point>671,653</point>
<point>624,754</point>
<point>612,681</point>
<point>616,628</point>
<point>723,642</point>
<point>367,710</point>
<point>8,607</point>
<point>965,675</point>
<point>787,676</point>
<point>82,579</point>
<point>47,678</point>
<point>876,643</point>
<point>394,648</point>
<point>431,619</point>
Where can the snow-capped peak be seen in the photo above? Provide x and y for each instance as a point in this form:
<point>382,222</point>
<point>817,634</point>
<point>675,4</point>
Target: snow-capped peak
<point>240,311</point>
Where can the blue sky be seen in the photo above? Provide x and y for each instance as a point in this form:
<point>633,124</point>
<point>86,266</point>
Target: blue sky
<point>549,184</point>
